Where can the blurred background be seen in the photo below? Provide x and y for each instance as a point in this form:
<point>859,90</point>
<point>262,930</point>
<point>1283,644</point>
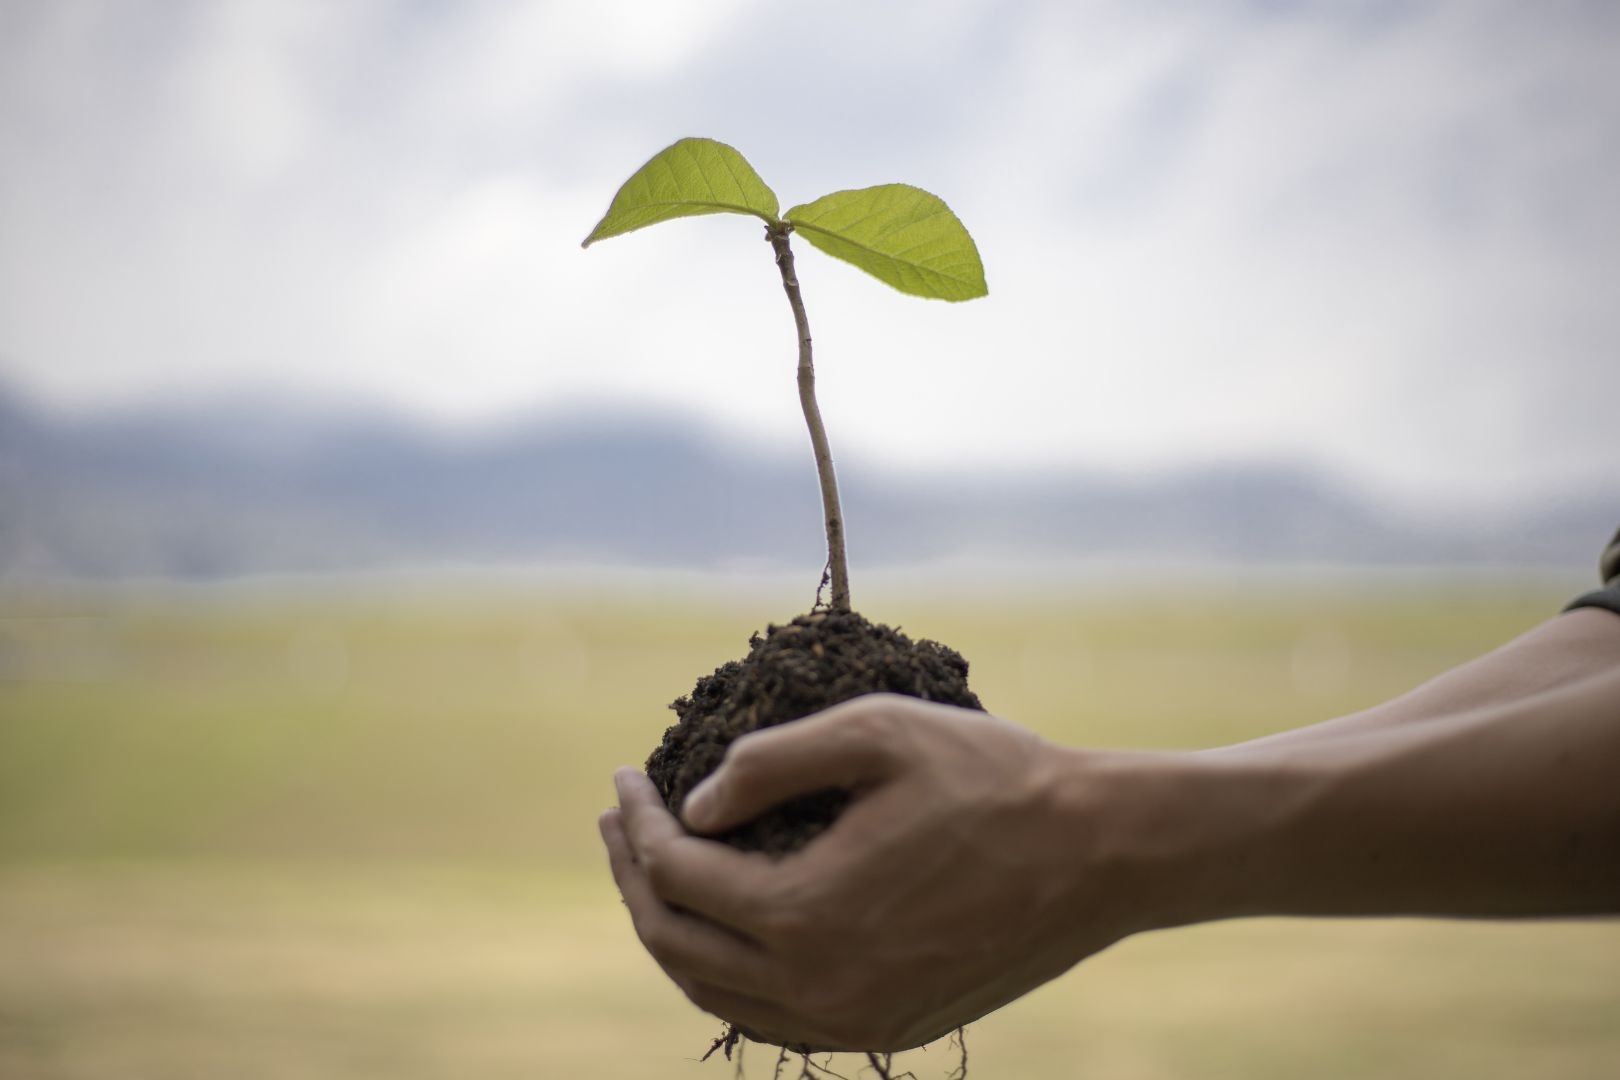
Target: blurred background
<point>354,523</point>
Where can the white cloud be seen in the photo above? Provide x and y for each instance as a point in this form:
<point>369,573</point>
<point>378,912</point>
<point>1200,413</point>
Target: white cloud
<point>240,83</point>
<point>1375,237</point>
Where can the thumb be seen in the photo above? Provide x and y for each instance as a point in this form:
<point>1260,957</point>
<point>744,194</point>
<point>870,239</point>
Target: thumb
<point>847,745</point>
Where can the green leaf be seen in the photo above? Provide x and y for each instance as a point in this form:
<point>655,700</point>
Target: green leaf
<point>693,176</point>
<point>900,235</point>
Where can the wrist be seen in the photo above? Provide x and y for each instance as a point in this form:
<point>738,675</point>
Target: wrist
<point>1180,838</point>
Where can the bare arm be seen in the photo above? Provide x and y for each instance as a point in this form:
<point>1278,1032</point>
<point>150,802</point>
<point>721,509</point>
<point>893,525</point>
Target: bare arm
<point>1553,655</point>
<point>1454,803</point>
<point>979,861</point>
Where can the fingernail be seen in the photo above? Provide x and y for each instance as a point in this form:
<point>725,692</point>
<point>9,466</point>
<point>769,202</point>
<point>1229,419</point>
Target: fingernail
<point>696,809</point>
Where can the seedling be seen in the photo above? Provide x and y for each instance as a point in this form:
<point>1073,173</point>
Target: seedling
<point>901,235</point>
<point>904,237</point>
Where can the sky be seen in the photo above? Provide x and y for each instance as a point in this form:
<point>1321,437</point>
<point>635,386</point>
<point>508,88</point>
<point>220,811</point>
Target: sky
<point>1378,239</point>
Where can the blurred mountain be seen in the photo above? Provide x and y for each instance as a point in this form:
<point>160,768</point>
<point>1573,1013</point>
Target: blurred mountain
<point>259,487</point>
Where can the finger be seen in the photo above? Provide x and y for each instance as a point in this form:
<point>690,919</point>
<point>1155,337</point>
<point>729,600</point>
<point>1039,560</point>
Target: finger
<point>724,885</point>
<point>685,946</point>
<point>647,818</point>
<point>843,747</point>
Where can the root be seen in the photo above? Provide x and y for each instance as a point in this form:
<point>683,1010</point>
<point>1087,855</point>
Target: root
<point>826,577</point>
<point>959,1040</point>
<point>726,1040</point>
<point>732,1039</point>
<point>827,1069</point>
<point>884,1064</point>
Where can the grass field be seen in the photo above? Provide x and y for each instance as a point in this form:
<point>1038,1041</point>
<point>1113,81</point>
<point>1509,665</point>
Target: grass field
<point>300,832</point>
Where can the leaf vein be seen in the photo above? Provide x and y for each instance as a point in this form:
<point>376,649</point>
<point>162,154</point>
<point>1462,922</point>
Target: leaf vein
<point>882,254</point>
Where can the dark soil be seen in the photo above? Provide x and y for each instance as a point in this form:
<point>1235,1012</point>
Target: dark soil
<point>813,662</point>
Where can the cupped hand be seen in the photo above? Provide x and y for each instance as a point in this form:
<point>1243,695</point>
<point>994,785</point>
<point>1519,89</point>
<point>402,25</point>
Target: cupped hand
<point>966,871</point>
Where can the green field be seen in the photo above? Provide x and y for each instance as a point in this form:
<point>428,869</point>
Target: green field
<point>312,832</point>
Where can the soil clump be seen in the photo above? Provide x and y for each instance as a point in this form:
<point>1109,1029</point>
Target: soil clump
<point>811,663</point>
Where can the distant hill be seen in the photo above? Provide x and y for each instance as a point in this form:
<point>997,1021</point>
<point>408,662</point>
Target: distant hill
<point>249,488</point>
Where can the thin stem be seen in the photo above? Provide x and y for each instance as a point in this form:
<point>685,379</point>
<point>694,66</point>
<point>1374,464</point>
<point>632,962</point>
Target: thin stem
<point>837,562</point>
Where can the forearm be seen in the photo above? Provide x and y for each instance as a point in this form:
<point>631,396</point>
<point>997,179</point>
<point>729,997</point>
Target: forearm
<point>1491,811</point>
<point>1562,650</point>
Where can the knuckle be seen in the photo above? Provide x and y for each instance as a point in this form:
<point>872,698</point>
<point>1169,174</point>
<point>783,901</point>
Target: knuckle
<point>655,864</point>
<point>660,864</point>
<point>874,715</point>
<point>742,762</point>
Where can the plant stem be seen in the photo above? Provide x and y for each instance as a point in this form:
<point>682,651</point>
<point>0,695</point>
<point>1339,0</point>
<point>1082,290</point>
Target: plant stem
<point>837,563</point>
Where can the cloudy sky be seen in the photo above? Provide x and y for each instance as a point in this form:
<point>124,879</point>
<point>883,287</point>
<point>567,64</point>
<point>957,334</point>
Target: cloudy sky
<point>1379,238</point>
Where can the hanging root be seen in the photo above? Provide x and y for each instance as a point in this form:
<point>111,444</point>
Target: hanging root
<point>883,1064</point>
<point>811,1068</point>
<point>726,1040</point>
<point>959,1040</point>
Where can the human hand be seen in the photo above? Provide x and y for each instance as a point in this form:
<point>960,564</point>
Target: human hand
<point>955,881</point>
